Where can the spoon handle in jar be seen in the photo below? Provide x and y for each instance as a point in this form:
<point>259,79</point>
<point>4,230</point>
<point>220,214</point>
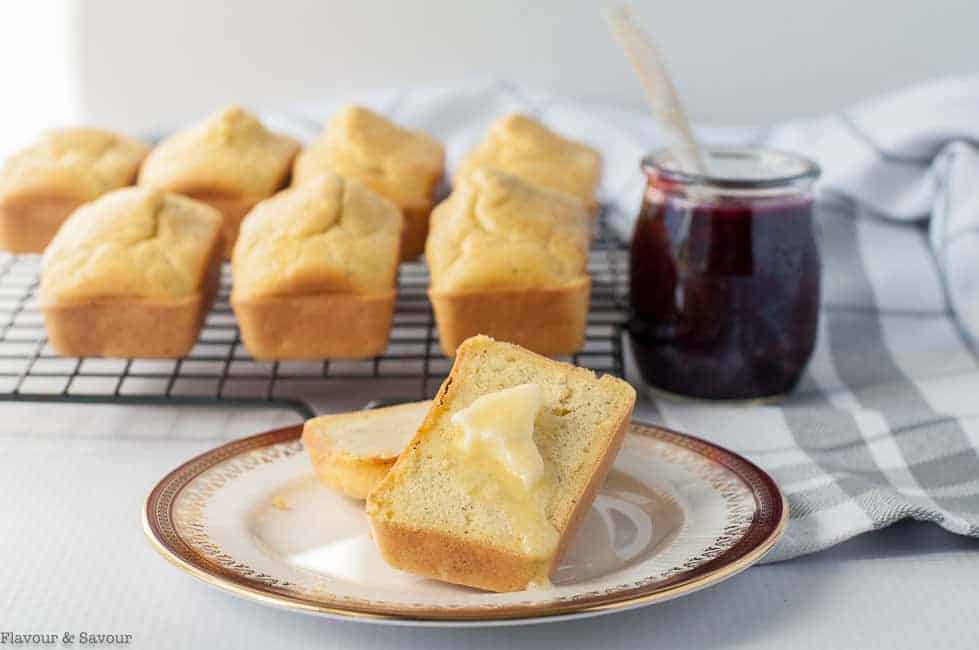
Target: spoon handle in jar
<point>658,87</point>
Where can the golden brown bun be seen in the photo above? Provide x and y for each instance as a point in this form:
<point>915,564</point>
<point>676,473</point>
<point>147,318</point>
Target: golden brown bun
<point>229,161</point>
<point>43,183</point>
<point>447,516</point>
<point>317,326</point>
<point>352,452</point>
<point>400,164</point>
<point>526,148</point>
<point>131,274</point>
<point>548,321</point>
<point>509,259</point>
<point>314,272</point>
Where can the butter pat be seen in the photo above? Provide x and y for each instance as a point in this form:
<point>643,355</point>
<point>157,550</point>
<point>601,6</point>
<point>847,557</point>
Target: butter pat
<point>502,425</point>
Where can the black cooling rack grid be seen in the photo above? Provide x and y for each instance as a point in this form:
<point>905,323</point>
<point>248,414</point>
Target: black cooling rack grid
<point>219,371</point>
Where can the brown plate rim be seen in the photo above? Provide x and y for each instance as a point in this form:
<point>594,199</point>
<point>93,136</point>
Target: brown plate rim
<point>767,526</point>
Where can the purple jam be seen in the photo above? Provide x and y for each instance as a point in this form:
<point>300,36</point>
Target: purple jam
<point>724,294</point>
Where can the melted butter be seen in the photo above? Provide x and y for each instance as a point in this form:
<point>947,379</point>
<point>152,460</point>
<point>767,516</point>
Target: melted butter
<point>501,424</point>
<point>384,434</point>
<point>504,469</point>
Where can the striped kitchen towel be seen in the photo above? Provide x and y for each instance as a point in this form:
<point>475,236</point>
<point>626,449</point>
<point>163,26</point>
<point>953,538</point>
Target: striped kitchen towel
<point>885,424</point>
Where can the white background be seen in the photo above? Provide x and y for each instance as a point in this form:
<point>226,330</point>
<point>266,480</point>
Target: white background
<point>139,64</point>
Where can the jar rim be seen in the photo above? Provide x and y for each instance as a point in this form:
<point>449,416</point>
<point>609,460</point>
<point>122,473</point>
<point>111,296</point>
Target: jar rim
<point>802,168</point>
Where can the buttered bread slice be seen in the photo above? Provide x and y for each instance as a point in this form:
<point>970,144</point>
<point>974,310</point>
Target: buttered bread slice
<point>506,463</point>
<point>352,452</point>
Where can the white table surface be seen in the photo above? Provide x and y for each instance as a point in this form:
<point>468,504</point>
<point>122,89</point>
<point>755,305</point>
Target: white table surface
<point>73,558</point>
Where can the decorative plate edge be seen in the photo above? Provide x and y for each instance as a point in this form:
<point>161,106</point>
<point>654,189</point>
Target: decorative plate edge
<point>767,526</point>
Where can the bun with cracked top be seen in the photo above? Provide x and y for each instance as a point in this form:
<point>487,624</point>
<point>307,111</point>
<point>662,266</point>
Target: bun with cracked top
<point>509,259</point>
<point>314,272</point>
<point>401,164</point>
<point>524,147</point>
<point>46,181</point>
<point>131,274</point>
<point>229,161</point>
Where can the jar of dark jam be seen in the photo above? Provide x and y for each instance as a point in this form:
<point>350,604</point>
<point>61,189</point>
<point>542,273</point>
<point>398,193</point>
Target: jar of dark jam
<point>724,275</point>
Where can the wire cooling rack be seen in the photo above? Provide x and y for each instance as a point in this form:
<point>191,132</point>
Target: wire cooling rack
<point>219,371</point>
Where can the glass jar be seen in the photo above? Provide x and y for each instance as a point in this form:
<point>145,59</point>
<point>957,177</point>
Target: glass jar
<point>724,275</point>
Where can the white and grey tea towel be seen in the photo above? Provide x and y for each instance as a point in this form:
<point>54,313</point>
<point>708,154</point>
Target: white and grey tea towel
<point>885,424</point>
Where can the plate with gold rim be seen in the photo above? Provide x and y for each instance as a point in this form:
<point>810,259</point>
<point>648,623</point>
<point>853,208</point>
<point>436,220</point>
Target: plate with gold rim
<point>676,514</point>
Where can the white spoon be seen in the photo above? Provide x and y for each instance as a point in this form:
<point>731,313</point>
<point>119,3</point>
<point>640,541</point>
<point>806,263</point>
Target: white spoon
<point>658,87</point>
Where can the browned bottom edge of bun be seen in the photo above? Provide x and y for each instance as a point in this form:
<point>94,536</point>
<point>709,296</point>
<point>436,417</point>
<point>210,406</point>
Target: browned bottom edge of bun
<point>441,556</point>
<point>130,328</point>
<point>315,326</point>
<point>549,321</point>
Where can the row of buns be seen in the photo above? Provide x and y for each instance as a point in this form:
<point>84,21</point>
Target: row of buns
<point>229,161</point>
<point>133,271</point>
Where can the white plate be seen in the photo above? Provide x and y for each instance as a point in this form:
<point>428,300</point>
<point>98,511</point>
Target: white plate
<point>675,515</point>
